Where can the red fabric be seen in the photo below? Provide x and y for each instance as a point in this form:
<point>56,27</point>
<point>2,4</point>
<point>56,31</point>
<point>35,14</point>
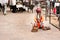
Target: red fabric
<point>38,10</point>
<point>54,10</point>
<point>38,24</point>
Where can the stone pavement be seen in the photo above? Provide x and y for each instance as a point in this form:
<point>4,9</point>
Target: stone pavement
<point>17,26</point>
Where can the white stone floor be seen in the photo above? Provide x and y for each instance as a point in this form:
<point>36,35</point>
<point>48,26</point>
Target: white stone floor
<point>17,26</point>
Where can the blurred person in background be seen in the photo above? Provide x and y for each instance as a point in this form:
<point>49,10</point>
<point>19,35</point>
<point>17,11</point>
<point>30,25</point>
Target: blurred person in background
<point>0,5</point>
<point>53,2</point>
<point>4,6</point>
<point>57,6</point>
<point>48,6</point>
<point>13,5</point>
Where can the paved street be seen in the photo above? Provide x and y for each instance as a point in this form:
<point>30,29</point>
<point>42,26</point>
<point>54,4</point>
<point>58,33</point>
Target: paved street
<point>17,26</point>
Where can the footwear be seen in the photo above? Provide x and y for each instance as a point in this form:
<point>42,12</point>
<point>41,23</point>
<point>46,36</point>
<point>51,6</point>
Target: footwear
<point>4,14</point>
<point>40,28</point>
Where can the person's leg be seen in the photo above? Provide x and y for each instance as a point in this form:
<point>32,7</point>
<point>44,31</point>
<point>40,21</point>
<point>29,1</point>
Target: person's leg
<point>39,15</point>
<point>0,6</point>
<point>5,6</point>
<point>11,8</point>
<point>14,9</point>
<point>42,25</point>
<point>4,9</point>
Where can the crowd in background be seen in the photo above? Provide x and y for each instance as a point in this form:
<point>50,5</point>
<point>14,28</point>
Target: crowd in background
<point>27,3</point>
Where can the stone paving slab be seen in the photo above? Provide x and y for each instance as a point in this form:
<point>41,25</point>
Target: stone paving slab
<point>17,26</point>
